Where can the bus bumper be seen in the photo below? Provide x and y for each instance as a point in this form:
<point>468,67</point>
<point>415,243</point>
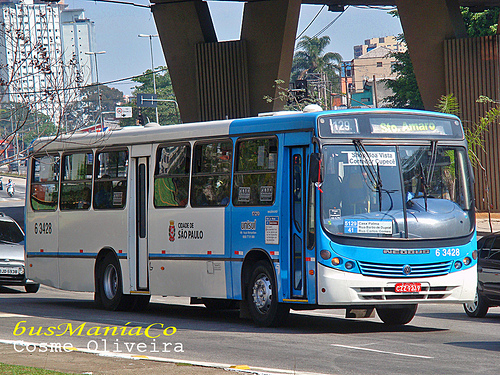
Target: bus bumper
<point>343,288</point>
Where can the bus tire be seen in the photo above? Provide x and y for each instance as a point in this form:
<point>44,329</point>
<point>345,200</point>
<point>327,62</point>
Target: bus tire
<point>397,316</point>
<point>110,285</point>
<point>478,308</point>
<point>140,302</point>
<point>262,297</point>
<point>31,288</point>
<point>220,304</point>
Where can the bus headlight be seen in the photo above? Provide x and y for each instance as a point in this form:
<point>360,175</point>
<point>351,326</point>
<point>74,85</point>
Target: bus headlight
<point>458,264</point>
<point>467,261</point>
<point>325,254</point>
<point>349,265</point>
<point>336,261</point>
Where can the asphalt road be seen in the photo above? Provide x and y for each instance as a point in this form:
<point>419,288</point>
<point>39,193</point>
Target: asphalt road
<point>440,340</point>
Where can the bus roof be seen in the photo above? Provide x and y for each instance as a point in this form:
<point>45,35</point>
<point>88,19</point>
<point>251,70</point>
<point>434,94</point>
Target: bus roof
<point>181,132</point>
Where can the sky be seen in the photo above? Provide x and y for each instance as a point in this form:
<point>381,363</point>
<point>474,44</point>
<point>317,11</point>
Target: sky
<point>117,28</point>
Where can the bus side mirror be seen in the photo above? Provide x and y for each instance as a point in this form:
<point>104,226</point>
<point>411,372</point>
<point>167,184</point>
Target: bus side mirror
<point>315,168</point>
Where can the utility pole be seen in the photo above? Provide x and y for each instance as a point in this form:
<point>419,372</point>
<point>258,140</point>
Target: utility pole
<point>152,66</point>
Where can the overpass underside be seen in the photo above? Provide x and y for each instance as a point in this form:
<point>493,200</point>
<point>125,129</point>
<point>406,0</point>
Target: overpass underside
<point>215,80</point>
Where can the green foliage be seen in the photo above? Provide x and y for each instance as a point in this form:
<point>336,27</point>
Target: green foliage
<point>167,111</point>
<point>405,87</point>
<point>473,134</point>
<point>110,97</point>
<point>291,102</point>
<point>448,104</point>
<point>480,23</point>
<point>310,58</point>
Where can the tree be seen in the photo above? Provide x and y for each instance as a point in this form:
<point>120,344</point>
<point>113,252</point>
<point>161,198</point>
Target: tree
<point>88,109</point>
<point>405,87</point>
<point>321,70</point>
<point>480,23</point>
<point>38,83</point>
<point>167,111</point>
<point>310,58</point>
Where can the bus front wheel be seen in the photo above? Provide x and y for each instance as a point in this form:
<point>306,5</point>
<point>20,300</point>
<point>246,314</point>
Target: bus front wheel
<point>397,316</point>
<point>262,297</point>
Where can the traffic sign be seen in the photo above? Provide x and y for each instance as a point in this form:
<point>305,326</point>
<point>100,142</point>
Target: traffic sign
<point>146,100</point>
<point>123,112</point>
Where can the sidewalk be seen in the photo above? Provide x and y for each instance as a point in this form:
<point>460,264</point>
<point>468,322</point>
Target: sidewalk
<point>84,363</point>
<point>483,223</point>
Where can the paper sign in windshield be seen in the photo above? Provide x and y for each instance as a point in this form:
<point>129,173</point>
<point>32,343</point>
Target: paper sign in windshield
<point>383,159</point>
<point>368,226</point>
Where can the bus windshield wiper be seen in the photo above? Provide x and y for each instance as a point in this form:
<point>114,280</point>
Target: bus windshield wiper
<point>372,171</point>
<point>427,176</point>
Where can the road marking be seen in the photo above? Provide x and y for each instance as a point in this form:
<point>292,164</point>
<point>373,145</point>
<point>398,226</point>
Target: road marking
<point>9,315</point>
<point>225,366</point>
<point>382,351</point>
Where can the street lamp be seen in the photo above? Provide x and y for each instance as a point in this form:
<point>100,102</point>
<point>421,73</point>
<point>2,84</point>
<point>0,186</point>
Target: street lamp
<point>152,66</point>
<point>97,82</point>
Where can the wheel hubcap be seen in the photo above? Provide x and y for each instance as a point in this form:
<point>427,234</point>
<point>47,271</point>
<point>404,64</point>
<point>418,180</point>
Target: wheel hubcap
<point>110,282</point>
<point>472,306</point>
<point>262,293</point>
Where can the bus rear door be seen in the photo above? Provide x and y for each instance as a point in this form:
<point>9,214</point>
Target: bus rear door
<point>138,220</point>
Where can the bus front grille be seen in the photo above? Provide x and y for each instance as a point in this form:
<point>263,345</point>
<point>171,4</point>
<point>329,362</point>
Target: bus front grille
<point>389,293</point>
<point>397,270</point>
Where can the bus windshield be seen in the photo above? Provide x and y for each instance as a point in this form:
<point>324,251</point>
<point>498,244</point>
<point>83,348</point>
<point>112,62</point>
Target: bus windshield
<point>404,192</point>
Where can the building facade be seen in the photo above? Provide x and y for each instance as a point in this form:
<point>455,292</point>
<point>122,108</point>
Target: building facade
<point>389,42</point>
<point>42,65</point>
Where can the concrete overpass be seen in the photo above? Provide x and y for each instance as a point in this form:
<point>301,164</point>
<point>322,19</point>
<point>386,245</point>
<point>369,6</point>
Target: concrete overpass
<point>215,80</point>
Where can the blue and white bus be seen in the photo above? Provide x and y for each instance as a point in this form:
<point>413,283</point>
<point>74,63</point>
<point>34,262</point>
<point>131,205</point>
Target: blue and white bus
<point>356,209</point>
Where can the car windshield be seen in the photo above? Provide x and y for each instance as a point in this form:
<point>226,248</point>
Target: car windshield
<point>396,191</point>
<point>10,232</point>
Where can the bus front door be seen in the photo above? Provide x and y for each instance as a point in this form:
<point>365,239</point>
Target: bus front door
<point>297,215</point>
<point>141,223</point>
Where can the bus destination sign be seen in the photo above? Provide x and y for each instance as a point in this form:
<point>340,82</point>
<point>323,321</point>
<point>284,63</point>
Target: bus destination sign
<point>411,126</point>
<point>393,125</point>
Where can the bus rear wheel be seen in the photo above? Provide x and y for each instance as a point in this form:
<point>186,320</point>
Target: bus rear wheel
<point>262,297</point>
<point>109,288</point>
<point>398,315</point>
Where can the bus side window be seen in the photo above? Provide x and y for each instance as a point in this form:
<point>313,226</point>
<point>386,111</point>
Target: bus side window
<point>210,185</point>
<point>45,183</point>
<point>110,179</point>
<point>255,172</point>
<point>76,181</point>
<point>172,176</point>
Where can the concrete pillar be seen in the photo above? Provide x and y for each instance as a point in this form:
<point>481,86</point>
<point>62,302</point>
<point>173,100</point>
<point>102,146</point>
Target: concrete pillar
<point>426,25</point>
<point>182,25</point>
<point>269,29</point>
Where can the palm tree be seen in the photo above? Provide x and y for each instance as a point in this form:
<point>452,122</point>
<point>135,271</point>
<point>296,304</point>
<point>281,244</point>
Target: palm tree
<point>310,59</point>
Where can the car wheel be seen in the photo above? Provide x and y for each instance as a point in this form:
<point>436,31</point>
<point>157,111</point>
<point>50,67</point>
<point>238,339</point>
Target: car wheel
<point>397,316</point>
<point>32,288</point>
<point>477,308</point>
<point>262,297</point>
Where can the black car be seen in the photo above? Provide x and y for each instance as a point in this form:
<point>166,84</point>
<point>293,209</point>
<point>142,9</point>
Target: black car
<point>488,277</point>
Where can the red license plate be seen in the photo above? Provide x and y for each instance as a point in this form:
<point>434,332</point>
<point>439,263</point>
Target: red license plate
<point>408,288</point>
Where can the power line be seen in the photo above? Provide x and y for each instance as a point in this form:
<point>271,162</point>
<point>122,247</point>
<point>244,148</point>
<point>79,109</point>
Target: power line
<point>52,90</point>
<point>121,3</point>
<point>330,24</point>
<point>310,23</point>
